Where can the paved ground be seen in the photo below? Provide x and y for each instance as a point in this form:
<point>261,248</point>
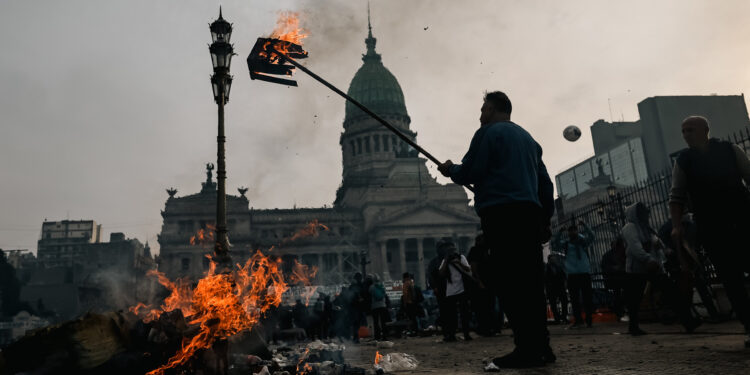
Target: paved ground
<point>601,350</point>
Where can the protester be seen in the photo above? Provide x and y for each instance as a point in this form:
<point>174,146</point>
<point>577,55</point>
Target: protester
<point>645,263</point>
<point>554,284</point>
<point>455,269</point>
<point>301,318</point>
<point>710,173</point>
<point>437,283</point>
<point>357,305</point>
<point>513,197</point>
<point>483,299</point>
<point>380,314</point>
<point>686,268</point>
<point>578,269</point>
<point>613,271</point>
<point>411,303</point>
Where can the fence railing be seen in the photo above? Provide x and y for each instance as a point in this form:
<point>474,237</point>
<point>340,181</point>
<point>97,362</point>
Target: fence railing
<point>606,217</point>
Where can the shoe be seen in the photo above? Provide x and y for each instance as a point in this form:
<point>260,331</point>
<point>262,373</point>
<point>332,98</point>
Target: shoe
<point>575,325</point>
<point>548,355</point>
<point>467,337</point>
<point>692,325</point>
<point>515,359</point>
<point>636,332</point>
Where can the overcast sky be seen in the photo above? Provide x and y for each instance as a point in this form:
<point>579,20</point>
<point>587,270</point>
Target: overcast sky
<point>105,104</point>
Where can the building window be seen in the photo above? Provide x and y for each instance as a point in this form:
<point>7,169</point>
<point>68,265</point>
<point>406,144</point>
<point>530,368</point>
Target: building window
<point>385,142</point>
<point>185,264</point>
<point>376,141</point>
<point>367,144</point>
<point>354,149</point>
<point>359,146</point>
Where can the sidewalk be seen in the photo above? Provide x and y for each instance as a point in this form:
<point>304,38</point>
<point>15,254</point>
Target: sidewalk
<point>602,350</point>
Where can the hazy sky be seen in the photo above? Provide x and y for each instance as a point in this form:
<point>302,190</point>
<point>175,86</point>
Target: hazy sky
<point>105,104</point>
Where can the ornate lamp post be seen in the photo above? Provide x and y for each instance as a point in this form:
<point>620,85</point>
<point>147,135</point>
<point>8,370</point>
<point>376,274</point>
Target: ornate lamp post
<point>221,81</point>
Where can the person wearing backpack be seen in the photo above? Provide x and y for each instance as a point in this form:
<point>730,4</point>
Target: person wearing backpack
<point>379,308</point>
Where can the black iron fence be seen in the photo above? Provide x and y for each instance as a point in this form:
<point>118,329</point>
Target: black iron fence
<point>606,217</point>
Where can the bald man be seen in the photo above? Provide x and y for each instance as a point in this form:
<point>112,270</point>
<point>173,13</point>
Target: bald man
<point>709,176</point>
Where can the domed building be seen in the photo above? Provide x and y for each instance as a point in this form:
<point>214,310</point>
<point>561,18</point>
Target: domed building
<point>387,215</point>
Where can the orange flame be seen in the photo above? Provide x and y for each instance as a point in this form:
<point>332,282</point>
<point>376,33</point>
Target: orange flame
<point>378,357</point>
<point>312,229</point>
<point>287,30</point>
<point>204,236</point>
<point>222,304</point>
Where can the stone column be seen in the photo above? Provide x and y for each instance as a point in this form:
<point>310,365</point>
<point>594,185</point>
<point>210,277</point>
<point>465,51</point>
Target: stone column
<point>402,255</point>
<point>385,273</point>
<point>420,263</point>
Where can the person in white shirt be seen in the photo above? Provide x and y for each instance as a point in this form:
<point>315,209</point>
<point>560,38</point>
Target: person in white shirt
<point>457,272</point>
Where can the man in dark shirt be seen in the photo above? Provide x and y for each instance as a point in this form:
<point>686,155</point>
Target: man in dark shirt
<point>513,197</point>
<point>710,173</point>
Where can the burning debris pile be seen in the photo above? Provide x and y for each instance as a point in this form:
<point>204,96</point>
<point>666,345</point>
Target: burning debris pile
<point>189,332</point>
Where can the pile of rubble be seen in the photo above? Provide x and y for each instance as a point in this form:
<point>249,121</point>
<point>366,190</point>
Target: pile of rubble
<point>315,358</point>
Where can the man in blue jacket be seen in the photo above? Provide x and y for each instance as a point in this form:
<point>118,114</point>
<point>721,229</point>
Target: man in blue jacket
<point>513,197</point>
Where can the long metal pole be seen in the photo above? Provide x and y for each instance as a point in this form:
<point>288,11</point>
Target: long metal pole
<point>362,107</point>
<point>221,248</point>
<point>358,104</point>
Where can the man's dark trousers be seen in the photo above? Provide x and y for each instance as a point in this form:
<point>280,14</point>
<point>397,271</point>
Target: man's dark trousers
<point>513,234</point>
<point>726,245</point>
<point>579,286</point>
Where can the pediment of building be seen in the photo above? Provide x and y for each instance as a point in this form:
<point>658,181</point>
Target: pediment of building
<point>425,214</point>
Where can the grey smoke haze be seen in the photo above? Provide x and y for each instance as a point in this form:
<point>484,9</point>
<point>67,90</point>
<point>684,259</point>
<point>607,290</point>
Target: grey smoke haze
<point>104,104</point>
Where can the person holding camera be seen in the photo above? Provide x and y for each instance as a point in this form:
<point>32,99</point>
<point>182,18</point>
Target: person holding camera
<point>644,263</point>
<point>455,269</point>
<point>578,270</point>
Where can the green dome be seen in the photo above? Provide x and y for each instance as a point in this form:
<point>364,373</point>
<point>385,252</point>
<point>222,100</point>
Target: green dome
<point>375,87</point>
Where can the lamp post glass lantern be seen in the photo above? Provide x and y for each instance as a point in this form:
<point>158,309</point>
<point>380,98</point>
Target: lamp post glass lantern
<point>221,30</point>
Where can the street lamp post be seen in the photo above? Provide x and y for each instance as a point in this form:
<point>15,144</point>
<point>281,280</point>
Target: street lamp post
<point>221,82</point>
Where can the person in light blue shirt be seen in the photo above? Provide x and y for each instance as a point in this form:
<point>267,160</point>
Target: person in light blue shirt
<point>513,198</point>
<point>578,269</point>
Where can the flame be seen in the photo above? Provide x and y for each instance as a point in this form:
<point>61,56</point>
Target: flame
<point>222,304</point>
<point>286,33</point>
<point>204,236</point>
<point>288,29</point>
<point>378,357</point>
<point>302,358</point>
<point>311,229</point>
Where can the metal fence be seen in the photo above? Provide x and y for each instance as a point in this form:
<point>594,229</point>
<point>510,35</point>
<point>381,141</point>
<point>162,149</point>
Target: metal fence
<point>606,217</point>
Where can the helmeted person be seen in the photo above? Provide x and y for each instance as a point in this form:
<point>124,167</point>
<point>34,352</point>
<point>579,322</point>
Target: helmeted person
<point>513,197</point>
<point>707,178</point>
